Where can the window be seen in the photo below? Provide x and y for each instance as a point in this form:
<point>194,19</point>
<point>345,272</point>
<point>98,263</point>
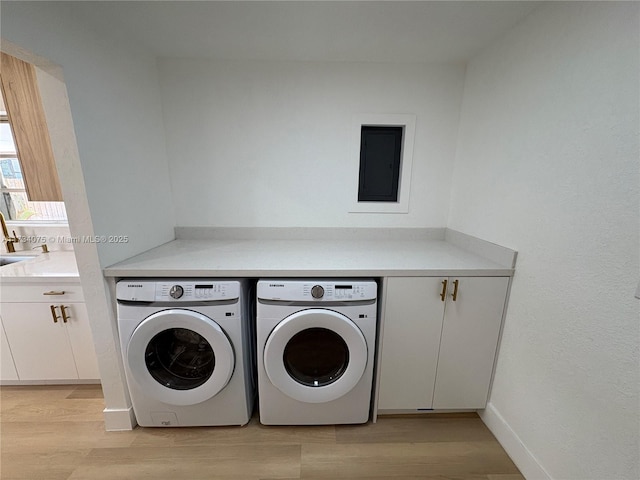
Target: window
<point>14,203</point>
<point>382,156</point>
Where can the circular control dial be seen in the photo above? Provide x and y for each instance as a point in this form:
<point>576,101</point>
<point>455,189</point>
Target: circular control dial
<point>317,291</point>
<point>176,291</point>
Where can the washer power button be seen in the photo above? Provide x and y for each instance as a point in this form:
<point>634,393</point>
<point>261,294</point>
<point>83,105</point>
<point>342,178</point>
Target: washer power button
<point>317,291</point>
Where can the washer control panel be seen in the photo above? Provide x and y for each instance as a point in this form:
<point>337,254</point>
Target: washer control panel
<point>201,290</point>
<point>317,290</point>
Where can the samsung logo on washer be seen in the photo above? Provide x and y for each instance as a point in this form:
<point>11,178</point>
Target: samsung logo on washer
<point>133,286</point>
<point>276,285</point>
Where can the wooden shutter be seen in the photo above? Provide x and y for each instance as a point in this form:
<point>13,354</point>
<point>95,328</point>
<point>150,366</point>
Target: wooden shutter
<point>29,126</point>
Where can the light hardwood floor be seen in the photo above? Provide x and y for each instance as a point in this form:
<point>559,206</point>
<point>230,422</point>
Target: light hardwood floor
<point>57,432</point>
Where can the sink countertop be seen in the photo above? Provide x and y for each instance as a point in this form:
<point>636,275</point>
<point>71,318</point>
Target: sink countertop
<point>57,265</point>
<point>306,258</point>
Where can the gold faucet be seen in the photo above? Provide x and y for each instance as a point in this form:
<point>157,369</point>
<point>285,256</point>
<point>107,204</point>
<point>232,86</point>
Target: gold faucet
<point>44,248</point>
<point>8,241</point>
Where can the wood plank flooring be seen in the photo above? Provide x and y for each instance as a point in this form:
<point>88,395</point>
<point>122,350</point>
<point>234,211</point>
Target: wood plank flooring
<point>57,433</point>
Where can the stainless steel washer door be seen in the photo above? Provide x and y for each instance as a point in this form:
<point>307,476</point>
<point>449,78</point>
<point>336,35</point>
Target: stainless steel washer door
<point>315,355</point>
<point>180,357</point>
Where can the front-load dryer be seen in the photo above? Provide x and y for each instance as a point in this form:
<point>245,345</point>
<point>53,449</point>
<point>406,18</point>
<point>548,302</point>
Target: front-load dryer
<point>187,351</point>
<point>315,350</point>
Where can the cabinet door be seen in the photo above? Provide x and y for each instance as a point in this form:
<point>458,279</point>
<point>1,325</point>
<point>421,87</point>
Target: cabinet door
<point>7,368</point>
<point>412,325</point>
<point>469,340</point>
<point>40,347</point>
<point>81,341</point>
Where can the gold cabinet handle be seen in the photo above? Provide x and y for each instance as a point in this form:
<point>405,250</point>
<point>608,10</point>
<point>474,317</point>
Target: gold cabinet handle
<point>53,313</point>
<point>54,292</point>
<point>65,317</point>
<point>455,290</point>
<point>443,294</point>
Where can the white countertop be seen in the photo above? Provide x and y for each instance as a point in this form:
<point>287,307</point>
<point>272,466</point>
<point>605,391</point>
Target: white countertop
<point>56,265</point>
<point>306,258</point>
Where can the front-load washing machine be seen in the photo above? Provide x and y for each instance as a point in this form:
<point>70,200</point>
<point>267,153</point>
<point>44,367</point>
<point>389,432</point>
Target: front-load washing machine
<point>315,350</point>
<point>187,351</point>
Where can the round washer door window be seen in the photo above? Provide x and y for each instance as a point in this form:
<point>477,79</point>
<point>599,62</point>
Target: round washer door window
<point>315,355</point>
<point>180,357</point>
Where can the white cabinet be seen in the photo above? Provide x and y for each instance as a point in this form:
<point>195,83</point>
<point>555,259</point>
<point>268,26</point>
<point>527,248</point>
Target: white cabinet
<point>439,341</point>
<point>40,347</point>
<point>47,329</point>
<point>469,340</point>
<point>7,368</point>
<point>82,345</point>
<point>411,339</point>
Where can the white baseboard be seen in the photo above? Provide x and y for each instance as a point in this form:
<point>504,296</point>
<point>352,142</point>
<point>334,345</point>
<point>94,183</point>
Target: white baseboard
<point>519,453</point>
<point>116,420</point>
<point>48,382</point>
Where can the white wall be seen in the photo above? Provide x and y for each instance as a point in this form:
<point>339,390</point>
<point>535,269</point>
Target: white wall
<point>116,105</point>
<point>262,144</point>
<point>116,151</point>
<point>547,163</point>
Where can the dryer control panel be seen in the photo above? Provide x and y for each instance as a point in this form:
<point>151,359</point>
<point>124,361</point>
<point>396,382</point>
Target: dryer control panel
<point>200,290</point>
<point>317,290</point>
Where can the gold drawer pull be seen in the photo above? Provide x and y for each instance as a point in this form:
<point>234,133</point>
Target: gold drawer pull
<point>54,292</point>
<point>455,290</point>
<point>443,294</point>
<point>65,317</point>
<point>53,313</point>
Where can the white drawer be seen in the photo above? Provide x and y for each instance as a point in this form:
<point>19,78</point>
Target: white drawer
<point>42,292</point>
